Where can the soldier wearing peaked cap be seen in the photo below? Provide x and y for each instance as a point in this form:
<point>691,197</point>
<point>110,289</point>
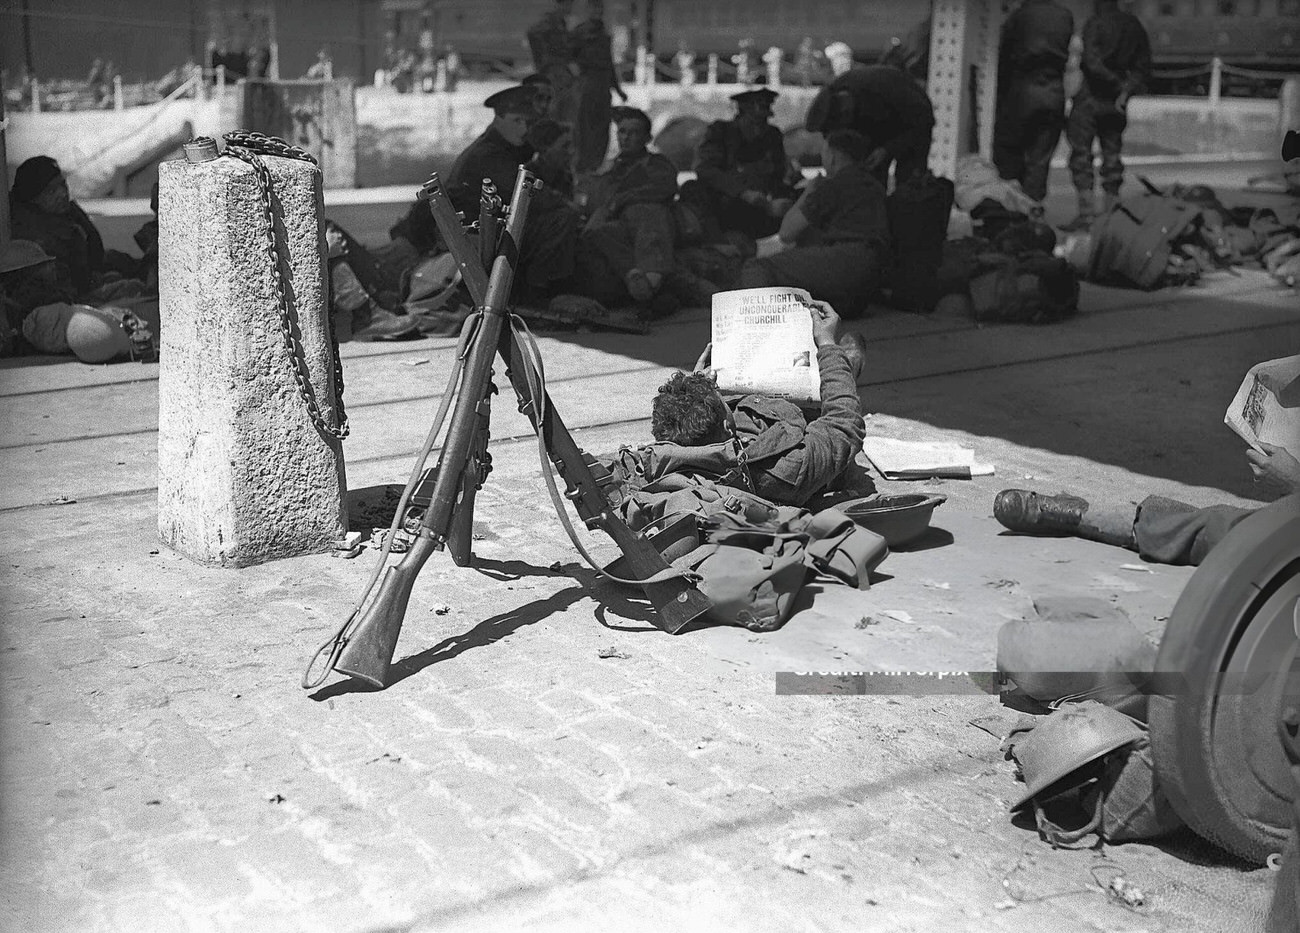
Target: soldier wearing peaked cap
<point>743,177</point>
<point>551,231</point>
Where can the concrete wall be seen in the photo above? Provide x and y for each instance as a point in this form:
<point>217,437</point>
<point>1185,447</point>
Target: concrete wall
<point>403,137</point>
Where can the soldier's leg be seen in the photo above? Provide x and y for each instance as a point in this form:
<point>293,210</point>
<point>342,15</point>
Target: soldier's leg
<point>1008,143</point>
<point>1044,132</point>
<point>1173,532</point>
<point>547,254</point>
<point>1080,131</point>
<point>651,229</point>
<point>1110,131</point>
<point>844,274</point>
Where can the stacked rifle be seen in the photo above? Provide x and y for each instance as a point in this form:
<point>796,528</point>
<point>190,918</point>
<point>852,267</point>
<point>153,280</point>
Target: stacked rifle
<point>364,645</point>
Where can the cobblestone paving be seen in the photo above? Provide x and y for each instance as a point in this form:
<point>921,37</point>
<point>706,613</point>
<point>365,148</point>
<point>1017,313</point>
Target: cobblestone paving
<point>161,769</point>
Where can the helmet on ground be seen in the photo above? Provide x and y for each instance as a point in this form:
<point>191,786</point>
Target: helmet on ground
<point>1074,736</point>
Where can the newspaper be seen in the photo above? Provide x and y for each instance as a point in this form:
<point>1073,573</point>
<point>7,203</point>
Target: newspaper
<point>763,344</point>
<point>896,459</point>
<point>1266,408</point>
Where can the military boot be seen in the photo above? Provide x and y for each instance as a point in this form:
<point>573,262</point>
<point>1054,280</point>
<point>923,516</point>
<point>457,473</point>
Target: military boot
<point>1030,513</point>
<point>1087,214</point>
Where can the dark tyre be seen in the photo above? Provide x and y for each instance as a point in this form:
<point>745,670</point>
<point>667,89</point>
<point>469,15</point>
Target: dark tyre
<point>1226,672</point>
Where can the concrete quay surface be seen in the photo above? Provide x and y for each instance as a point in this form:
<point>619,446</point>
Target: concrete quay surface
<point>161,768</point>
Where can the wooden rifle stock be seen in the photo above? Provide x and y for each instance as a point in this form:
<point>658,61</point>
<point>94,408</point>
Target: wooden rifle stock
<point>460,533</point>
<point>367,652</point>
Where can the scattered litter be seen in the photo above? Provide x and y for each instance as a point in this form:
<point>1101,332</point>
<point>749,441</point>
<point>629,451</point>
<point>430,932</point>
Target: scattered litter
<point>898,615</point>
<point>392,759</point>
<point>441,609</point>
<point>275,798</point>
<point>1274,861</point>
<point>1006,904</point>
<point>611,652</point>
<point>1140,568</point>
<point>937,586</point>
<point>479,537</point>
<point>1129,895</point>
<point>62,500</point>
<point>796,860</point>
<point>413,362</point>
<point>1030,476</point>
<point>863,622</point>
<point>1003,584</point>
<point>153,803</point>
<point>556,565</point>
<point>1161,618</point>
<point>153,552</point>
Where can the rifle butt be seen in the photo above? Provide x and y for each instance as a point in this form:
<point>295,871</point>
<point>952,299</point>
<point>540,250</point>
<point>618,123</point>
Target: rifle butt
<point>368,652</point>
<point>460,533</point>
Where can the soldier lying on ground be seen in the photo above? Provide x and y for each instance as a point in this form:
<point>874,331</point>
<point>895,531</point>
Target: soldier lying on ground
<point>834,242</point>
<point>1161,530</point>
<point>756,443</point>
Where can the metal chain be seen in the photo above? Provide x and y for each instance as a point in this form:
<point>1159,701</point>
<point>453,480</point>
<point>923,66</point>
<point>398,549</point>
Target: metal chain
<point>250,147</point>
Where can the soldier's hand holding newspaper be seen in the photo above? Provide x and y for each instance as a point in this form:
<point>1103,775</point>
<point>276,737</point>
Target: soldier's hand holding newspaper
<point>825,323</point>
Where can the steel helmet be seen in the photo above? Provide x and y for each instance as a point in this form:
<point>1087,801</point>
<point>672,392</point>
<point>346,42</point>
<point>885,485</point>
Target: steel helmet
<point>22,254</point>
<point>1075,735</point>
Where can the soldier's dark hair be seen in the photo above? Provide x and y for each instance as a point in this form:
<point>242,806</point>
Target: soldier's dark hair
<point>850,142</point>
<point>688,411</point>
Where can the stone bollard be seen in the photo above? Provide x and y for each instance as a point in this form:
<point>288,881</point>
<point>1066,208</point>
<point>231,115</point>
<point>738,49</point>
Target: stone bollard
<point>244,475</point>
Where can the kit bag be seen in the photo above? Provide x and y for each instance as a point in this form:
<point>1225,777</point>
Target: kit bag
<point>752,572</point>
<point>918,212</point>
<point>1033,288</point>
<point>1133,243</point>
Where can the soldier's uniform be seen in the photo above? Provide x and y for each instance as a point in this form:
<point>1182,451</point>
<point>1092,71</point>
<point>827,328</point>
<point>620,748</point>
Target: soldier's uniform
<point>551,229</point>
<point>631,225</point>
<point>729,163</point>
<point>548,40</point>
<point>1035,47</point>
<point>596,79</point>
<point>1116,62</point>
<point>885,105</point>
<point>841,257</point>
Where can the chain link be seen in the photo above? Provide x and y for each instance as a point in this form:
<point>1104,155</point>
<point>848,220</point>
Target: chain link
<point>250,147</point>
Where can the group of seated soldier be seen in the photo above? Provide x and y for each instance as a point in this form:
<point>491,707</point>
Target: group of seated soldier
<point>615,237</point>
<point>57,257</point>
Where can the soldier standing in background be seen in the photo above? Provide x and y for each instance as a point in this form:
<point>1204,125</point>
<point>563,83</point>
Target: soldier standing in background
<point>548,40</point>
<point>596,79</point>
<point>1116,64</point>
<point>1033,52</point>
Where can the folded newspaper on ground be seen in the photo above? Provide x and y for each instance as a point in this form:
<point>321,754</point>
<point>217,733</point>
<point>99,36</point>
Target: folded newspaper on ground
<point>1267,406</point>
<point>896,459</point>
<point>763,344</point>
